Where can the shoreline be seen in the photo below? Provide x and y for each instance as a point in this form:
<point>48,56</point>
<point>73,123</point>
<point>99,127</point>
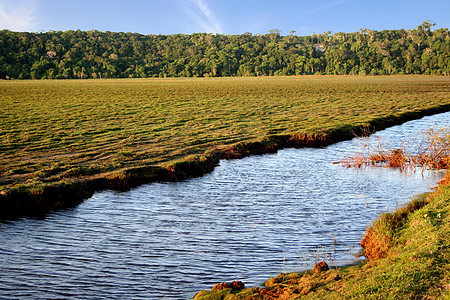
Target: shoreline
<point>16,203</point>
<point>406,253</point>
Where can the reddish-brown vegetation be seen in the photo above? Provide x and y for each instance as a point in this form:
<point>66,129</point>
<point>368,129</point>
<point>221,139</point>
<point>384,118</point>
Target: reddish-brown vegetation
<point>432,152</point>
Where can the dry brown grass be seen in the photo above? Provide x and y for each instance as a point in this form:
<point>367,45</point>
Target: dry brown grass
<point>430,152</point>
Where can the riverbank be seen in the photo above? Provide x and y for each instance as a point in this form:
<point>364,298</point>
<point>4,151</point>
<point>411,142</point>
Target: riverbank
<point>39,200</point>
<point>409,258</point>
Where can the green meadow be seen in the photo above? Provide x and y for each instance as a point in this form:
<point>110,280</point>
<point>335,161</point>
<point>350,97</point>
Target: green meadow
<point>57,130</point>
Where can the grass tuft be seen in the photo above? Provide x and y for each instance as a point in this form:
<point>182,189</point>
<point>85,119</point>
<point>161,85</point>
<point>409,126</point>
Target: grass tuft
<point>379,238</point>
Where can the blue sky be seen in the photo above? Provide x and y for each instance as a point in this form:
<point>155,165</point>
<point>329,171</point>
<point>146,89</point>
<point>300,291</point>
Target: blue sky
<point>221,16</point>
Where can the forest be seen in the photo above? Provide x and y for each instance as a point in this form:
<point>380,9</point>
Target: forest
<point>95,54</point>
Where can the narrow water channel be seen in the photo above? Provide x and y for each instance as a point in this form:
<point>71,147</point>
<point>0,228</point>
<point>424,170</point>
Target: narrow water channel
<point>248,220</point>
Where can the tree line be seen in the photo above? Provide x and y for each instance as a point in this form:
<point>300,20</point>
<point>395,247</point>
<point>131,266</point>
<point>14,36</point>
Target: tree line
<point>95,54</point>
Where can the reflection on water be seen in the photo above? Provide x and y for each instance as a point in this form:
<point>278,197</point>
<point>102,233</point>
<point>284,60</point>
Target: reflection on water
<point>250,219</point>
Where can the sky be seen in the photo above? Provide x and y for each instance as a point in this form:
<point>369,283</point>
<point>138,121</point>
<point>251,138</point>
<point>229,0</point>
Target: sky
<point>305,17</point>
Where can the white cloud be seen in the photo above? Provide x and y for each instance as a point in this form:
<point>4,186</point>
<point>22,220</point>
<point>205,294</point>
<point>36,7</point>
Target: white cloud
<point>201,13</point>
<point>18,15</point>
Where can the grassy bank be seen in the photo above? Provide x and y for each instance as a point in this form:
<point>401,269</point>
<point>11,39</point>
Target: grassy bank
<point>409,258</point>
<point>62,140</point>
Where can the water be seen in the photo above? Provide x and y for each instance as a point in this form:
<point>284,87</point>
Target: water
<point>248,220</point>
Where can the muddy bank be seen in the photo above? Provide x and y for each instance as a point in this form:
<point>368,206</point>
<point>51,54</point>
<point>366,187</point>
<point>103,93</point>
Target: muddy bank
<point>16,203</point>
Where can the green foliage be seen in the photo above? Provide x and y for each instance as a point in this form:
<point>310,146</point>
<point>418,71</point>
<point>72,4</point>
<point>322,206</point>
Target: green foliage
<point>94,54</point>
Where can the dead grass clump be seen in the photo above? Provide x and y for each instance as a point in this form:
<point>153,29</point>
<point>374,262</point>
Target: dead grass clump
<point>375,246</point>
<point>436,153</point>
<point>432,152</point>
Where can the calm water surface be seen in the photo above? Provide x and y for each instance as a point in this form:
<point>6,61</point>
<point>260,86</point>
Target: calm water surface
<point>249,219</point>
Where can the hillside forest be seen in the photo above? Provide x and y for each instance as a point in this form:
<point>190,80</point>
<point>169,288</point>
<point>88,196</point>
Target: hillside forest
<point>95,54</point>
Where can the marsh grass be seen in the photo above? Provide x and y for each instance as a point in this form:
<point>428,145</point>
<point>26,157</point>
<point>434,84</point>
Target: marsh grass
<point>432,151</point>
<point>60,130</point>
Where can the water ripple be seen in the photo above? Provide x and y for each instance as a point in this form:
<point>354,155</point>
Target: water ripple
<point>248,220</point>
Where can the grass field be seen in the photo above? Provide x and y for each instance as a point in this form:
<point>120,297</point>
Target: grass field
<point>59,130</point>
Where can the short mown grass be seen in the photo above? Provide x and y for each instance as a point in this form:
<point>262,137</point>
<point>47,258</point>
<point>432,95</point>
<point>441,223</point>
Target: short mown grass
<point>52,131</point>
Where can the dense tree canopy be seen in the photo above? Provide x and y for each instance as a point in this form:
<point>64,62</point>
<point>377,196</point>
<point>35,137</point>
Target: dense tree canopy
<point>94,54</point>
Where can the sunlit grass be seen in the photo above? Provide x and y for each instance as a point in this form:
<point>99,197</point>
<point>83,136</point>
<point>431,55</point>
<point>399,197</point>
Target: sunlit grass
<point>53,130</point>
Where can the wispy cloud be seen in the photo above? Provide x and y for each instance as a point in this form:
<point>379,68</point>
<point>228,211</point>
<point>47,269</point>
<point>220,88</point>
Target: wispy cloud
<point>201,13</point>
<point>327,6</point>
<point>18,15</point>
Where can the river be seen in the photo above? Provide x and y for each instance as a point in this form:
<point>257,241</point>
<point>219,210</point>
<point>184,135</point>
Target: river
<point>249,219</point>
